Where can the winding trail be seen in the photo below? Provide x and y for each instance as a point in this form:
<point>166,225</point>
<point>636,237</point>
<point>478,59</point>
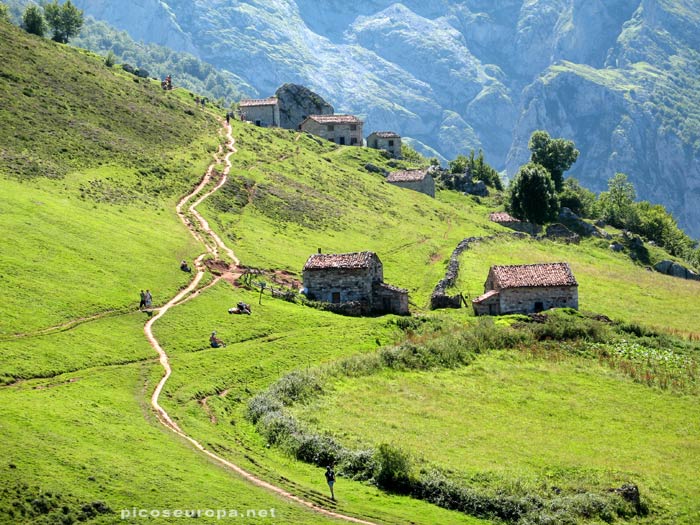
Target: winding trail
<point>186,294</point>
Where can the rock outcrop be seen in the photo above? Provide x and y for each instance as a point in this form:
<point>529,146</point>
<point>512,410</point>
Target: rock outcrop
<point>298,102</point>
<point>676,270</point>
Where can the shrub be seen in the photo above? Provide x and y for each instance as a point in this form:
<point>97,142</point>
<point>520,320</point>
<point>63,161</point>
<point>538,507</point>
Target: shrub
<point>394,469</point>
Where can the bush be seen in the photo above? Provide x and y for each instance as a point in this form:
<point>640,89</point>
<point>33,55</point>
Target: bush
<point>394,469</point>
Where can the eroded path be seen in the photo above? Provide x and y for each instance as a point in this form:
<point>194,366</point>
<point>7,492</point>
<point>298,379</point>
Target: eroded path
<point>214,245</point>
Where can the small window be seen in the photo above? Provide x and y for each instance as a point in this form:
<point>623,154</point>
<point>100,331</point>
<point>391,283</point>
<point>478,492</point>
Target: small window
<point>353,127</point>
<point>391,143</point>
<point>258,123</point>
<point>330,127</point>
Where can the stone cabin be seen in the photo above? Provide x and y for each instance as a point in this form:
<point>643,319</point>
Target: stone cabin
<point>527,288</point>
<point>341,129</point>
<point>353,277</point>
<point>263,112</point>
<point>416,180</point>
<point>506,219</point>
<point>386,140</point>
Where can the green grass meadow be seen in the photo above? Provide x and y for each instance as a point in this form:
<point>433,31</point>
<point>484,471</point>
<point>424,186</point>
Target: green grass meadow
<point>512,420</point>
<point>92,164</point>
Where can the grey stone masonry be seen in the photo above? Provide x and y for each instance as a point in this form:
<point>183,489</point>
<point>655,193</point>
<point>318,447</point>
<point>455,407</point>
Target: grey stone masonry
<point>387,141</point>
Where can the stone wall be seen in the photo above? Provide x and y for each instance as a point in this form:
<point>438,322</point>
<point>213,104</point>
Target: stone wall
<point>523,300</point>
<point>427,185</point>
<point>390,299</point>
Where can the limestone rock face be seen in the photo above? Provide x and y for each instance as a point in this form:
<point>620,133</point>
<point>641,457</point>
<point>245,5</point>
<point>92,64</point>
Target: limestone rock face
<point>298,102</point>
<point>676,270</point>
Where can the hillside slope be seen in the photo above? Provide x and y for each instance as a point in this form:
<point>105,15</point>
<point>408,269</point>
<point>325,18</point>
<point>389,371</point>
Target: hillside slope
<point>473,74</point>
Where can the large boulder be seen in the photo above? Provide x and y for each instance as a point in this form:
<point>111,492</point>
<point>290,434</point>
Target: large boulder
<point>298,102</point>
<point>676,270</point>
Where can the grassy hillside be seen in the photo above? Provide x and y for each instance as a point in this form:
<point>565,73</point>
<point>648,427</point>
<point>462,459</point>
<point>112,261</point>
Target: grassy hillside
<point>87,208</point>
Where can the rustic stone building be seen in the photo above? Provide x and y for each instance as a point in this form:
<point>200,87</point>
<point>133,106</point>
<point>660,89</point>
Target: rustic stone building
<point>506,219</point>
<point>387,141</point>
<point>341,129</point>
<point>263,112</point>
<point>416,180</point>
<point>527,288</point>
<point>353,277</point>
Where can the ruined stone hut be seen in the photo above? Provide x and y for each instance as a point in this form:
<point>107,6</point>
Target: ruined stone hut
<point>341,129</point>
<point>387,141</point>
<point>416,180</point>
<point>506,219</point>
<point>527,288</point>
<point>263,112</point>
<point>353,277</point>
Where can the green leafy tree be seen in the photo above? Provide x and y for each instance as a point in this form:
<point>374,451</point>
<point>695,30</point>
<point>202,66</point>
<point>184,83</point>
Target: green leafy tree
<point>474,167</point>
<point>4,13</point>
<point>110,59</point>
<point>556,155</point>
<point>533,196</point>
<point>33,20</point>
<point>657,224</point>
<point>616,206</point>
<point>411,156</point>
<point>578,199</point>
<point>64,20</point>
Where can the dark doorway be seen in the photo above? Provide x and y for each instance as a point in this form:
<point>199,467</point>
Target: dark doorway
<point>341,141</point>
<point>335,297</point>
<point>539,306</point>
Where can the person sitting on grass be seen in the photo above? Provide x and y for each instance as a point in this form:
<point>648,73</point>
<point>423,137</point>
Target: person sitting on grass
<point>185,267</point>
<point>215,341</point>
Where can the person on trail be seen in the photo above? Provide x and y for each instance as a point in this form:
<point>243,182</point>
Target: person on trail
<point>330,479</point>
<point>148,298</point>
<point>143,300</point>
<point>228,117</point>
<point>215,341</point>
<point>185,267</point>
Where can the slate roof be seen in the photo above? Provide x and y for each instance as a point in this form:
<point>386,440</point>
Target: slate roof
<point>248,102</point>
<point>391,287</point>
<point>502,216</point>
<point>386,134</point>
<point>335,119</point>
<point>484,297</point>
<point>324,261</point>
<point>407,176</point>
<point>533,275</point>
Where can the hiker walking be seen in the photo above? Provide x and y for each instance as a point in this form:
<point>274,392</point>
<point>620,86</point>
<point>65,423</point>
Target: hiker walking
<point>143,300</point>
<point>148,298</point>
<point>228,117</point>
<point>330,479</point>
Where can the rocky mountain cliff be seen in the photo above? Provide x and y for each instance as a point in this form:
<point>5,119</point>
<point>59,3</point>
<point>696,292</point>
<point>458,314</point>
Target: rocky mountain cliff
<point>619,78</point>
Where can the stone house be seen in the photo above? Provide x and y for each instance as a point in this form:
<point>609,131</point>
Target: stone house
<point>386,140</point>
<point>416,180</point>
<point>527,288</point>
<point>341,129</point>
<point>263,112</point>
<point>353,277</point>
<point>506,219</point>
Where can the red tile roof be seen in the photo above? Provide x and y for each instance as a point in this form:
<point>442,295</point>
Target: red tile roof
<point>502,216</point>
<point>335,119</point>
<point>533,275</point>
<point>386,134</point>
<point>247,102</point>
<point>322,261</point>
<point>407,176</point>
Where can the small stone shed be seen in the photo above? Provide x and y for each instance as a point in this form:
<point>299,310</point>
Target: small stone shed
<point>341,129</point>
<point>506,219</point>
<point>527,288</point>
<point>353,277</point>
<point>263,112</point>
<point>416,180</point>
<point>386,140</point>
